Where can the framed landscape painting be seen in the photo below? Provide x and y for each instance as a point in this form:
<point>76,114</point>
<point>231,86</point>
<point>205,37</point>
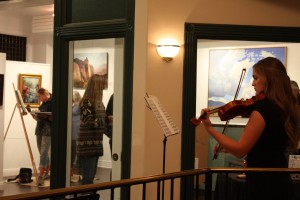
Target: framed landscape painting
<point>87,64</point>
<point>225,69</point>
<point>29,84</point>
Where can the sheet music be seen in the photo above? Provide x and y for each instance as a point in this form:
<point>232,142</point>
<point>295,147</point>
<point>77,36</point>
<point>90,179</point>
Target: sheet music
<point>165,121</point>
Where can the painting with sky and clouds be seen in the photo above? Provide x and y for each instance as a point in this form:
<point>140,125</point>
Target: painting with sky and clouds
<point>225,69</point>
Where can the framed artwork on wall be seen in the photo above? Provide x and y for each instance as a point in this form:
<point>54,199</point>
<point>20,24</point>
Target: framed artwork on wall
<point>225,68</point>
<point>87,64</point>
<point>29,85</point>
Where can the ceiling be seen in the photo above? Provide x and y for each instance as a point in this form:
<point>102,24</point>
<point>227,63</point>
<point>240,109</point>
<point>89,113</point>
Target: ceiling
<point>26,8</point>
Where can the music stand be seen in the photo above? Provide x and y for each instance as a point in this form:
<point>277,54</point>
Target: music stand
<point>166,123</point>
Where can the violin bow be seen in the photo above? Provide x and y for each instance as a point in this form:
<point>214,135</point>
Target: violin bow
<point>227,122</point>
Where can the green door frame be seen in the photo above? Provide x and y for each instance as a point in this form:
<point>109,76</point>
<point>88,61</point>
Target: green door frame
<point>63,34</point>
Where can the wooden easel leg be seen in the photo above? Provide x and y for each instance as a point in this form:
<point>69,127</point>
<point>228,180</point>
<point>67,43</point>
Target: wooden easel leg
<point>10,121</point>
<point>29,148</point>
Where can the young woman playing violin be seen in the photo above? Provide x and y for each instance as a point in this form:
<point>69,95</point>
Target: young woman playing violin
<point>273,127</point>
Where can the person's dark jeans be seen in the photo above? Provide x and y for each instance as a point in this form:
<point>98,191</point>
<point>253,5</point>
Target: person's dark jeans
<point>88,168</point>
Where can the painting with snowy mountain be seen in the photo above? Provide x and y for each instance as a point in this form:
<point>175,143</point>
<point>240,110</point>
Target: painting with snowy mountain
<point>225,69</point>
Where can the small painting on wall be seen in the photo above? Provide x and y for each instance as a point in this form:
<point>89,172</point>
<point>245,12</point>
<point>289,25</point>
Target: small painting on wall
<point>87,64</point>
<point>29,85</point>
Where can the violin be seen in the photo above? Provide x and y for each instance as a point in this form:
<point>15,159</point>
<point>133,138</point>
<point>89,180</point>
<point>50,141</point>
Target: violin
<point>232,109</point>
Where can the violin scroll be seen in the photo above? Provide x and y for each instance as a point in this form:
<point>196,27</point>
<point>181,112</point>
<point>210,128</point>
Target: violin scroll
<point>197,121</point>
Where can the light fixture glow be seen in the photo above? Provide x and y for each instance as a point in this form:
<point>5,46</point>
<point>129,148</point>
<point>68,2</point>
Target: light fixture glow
<point>167,51</point>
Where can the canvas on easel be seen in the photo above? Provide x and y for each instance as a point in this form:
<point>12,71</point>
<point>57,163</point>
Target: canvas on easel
<point>20,102</point>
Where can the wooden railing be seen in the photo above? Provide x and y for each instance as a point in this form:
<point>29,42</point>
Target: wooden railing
<point>77,191</point>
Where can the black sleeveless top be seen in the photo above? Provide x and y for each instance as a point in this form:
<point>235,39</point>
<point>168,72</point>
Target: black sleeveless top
<point>269,151</point>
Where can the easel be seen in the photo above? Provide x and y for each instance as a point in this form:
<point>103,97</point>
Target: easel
<point>22,111</point>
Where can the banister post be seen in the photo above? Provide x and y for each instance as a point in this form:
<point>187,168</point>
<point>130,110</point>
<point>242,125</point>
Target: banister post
<point>208,185</point>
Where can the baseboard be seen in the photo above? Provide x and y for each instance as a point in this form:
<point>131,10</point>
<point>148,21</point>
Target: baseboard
<point>104,164</point>
<point>11,172</point>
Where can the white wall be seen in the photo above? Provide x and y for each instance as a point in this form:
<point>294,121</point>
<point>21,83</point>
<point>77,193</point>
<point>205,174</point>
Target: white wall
<point>16,150</point>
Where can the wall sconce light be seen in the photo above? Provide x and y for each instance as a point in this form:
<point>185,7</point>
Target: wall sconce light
<point>167,51</point>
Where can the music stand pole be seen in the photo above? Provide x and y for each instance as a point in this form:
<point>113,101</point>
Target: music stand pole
<point>164,165</point>
<point>164,156</point>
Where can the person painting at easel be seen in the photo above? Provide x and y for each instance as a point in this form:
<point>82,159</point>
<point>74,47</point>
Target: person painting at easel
<point>43,134</point>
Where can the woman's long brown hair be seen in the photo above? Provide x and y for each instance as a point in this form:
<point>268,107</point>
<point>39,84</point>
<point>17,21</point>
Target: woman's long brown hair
<point>278,90</point>
<point>94,89</point>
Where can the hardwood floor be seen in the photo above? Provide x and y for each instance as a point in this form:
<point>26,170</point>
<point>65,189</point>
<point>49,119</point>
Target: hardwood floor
<point>12,188</point>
